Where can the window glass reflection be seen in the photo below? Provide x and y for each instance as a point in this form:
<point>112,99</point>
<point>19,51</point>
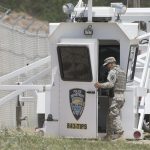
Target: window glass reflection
<point>75,63</point>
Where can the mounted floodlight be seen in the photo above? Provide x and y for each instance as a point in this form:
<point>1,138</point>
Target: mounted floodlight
<point>119,9</point>
<point>68,8</point>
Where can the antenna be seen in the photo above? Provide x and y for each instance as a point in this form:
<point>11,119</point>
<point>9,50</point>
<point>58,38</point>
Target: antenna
<point>80,3</point>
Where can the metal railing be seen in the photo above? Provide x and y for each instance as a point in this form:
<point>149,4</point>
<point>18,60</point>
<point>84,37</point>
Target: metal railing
<point>19,48</point>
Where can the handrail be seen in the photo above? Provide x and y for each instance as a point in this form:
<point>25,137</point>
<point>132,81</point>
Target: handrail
<point>24,69</point>
<point>22,88</point>
<point>144,84</point>
<point>143,36</point>
<point>10,96</point>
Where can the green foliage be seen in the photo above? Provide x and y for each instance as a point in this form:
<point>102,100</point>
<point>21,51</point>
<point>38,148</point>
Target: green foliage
<point>51,10</point>
<point>13,140</point>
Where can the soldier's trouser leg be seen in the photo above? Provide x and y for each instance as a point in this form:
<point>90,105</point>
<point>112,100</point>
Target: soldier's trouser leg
<point>114,115</point>
<point>109,130</point>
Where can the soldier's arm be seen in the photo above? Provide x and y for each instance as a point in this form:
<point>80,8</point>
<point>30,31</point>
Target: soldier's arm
<point>111,80</point>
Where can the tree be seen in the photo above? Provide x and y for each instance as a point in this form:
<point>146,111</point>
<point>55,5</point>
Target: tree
<point>51,10</point>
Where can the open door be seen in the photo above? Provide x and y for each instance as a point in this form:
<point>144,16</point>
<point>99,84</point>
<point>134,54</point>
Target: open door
<point>78,96</point>
<point>107,48</point>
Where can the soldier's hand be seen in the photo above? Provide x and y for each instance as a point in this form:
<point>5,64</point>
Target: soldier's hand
<point>97,85</point>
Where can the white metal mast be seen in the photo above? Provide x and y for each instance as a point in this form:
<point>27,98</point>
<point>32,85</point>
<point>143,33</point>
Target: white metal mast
<point>90,4</point>
<point>80,3</point>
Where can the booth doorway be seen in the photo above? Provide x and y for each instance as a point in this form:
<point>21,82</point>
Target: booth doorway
<point>107,48</point>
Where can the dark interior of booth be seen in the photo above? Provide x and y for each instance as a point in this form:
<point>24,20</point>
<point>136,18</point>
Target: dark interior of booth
<point>107,48</point>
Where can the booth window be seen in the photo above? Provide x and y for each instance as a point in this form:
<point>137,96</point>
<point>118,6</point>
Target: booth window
<point>142,25</point>
<point>74,62</point>
<point>132,62</point>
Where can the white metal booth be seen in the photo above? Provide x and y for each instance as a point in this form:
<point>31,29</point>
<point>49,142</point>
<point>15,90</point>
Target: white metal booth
<point>78,110</point>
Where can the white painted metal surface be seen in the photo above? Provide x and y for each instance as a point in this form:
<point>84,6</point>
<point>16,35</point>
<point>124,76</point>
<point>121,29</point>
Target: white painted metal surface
<point>41,103</point>
<point>90,15</point>
<point>89,116</point>
<point>129,113</point>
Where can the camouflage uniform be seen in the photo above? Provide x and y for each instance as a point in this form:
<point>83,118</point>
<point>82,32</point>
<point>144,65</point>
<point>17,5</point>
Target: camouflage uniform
<point>117,80</point>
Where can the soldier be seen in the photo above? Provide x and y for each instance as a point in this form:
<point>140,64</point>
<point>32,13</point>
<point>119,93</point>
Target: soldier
<point>116,80</point>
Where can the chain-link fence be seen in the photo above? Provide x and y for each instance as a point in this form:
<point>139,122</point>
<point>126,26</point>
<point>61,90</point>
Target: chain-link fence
<point>19,48</point>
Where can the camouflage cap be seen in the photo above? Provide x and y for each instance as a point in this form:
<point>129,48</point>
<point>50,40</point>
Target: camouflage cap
<point>109,60</point>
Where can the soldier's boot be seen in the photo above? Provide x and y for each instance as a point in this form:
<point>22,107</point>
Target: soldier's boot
<point>118,136</point>
<point>108,137</point>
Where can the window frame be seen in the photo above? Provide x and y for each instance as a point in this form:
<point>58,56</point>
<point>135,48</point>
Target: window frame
<point>61,64</point>
<point>134,65</point>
